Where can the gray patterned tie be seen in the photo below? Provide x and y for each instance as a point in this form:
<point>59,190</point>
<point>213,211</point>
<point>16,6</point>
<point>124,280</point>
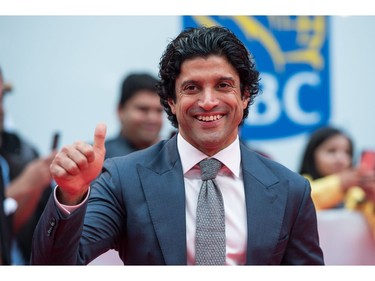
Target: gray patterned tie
<point>210,231</point>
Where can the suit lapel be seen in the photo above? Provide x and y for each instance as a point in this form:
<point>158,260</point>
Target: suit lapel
<point>163,185</point>
<point>265,204</point>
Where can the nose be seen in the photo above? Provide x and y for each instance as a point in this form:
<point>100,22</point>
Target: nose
<point>208,98</point>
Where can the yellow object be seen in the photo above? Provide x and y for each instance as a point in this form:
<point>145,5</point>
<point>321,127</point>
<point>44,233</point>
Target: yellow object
<point>326,193</point>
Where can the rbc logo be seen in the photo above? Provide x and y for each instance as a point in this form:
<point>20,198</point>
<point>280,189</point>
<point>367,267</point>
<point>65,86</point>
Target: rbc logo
<point>291,54</point>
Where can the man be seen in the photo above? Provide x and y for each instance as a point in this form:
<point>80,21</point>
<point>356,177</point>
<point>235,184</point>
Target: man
<point>5,227</point>
<point>140,114</point>
<point>5,218</point>
<point>26,179</point>
<point>144,205</point>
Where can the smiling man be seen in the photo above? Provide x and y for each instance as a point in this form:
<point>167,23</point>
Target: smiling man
<point>209,105</point>
<point>152,205</point>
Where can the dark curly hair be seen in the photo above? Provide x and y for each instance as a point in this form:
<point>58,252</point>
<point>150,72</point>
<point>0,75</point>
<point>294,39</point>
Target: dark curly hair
<point>203,42</point>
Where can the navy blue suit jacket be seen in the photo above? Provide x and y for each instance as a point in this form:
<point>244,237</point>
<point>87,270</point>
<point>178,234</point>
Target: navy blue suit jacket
<point>137,206</point>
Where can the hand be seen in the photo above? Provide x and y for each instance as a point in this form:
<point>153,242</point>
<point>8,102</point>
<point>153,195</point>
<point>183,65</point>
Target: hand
<point>77,165</point>
<point>31,183</point>
<point>367,182</point>
<point>28,188</point>
<point>349,178</point>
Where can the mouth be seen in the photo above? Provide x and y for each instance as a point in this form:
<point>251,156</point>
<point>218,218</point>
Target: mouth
<point>209,118</point>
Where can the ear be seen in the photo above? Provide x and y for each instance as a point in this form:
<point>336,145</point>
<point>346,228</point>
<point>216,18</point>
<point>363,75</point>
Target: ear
<point>172,105</point>
<point>245,98</point>
<point>119,111</point>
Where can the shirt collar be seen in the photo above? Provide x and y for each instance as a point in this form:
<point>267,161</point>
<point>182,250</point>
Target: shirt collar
<point>190,156</point>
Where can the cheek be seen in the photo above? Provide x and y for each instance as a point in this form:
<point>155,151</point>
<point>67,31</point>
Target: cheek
<point>182,105</point>
<point>130,116</point>
<point>348,162</point>
<point>122,115</point>
<point>319,161</point>
<point>324,165</point>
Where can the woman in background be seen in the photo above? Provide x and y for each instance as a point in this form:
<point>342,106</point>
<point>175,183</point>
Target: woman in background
<point>335,181</point>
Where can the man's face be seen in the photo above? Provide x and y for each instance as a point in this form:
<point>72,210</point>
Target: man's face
<point>208,105</point>
<point>141,118</point>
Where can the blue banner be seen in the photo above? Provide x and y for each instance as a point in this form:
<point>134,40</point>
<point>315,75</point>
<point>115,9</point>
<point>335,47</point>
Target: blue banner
<point>292,55</point>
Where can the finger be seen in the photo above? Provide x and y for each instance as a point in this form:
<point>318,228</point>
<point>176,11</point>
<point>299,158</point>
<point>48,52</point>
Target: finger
<point>81,159</point>
<point>59,172</point>
<point>86,150</point>
<point>63,160</point>
<point>99,136</point>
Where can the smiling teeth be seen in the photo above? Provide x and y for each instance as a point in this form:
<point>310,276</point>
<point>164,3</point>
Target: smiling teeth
<point>209,118</point>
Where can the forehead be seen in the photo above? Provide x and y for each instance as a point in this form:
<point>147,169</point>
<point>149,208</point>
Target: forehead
<point>206,67</point>
<point>144,97</point>
<point>338,141</point>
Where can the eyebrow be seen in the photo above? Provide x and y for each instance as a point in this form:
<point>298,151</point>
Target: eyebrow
<point>222,78</point>
<point>188,82</point>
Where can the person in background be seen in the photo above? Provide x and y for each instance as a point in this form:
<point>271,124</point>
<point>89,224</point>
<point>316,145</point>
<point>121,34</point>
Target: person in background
<point>328,163</point>
<point>5,224</point>
<point>27,184</point>
<point>146,205</point>
<point>140,114</point>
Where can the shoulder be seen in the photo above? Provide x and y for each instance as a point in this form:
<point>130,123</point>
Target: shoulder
<point>14,144</point>
<point>268,170</point>
<point>117,147</point>
<point>144,157</point>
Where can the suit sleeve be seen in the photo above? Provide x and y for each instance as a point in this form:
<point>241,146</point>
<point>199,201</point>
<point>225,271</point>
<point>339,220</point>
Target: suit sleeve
<point>56,239</point>
<point>86,233</point>
<point>303,246</point>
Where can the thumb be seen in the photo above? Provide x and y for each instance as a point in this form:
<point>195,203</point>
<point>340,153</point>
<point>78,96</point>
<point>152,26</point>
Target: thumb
<point>99,136</point>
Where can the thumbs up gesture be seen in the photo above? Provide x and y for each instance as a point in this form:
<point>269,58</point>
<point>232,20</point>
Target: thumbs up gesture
<point>77,165</point>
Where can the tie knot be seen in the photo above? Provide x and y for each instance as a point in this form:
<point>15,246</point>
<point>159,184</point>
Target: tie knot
<point>209,167</point>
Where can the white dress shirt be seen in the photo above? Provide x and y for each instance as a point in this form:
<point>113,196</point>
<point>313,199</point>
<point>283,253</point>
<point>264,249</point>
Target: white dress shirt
<point>230,182</point>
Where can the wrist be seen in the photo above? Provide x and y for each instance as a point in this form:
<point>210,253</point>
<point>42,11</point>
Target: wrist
<point>66,198</point>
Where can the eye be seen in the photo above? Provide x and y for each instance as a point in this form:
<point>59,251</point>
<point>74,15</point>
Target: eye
<point>190,89</point>
<point>143,109</point>
<point>225,86</point>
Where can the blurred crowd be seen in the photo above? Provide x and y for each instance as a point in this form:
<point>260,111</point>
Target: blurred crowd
<point>337,179</point>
